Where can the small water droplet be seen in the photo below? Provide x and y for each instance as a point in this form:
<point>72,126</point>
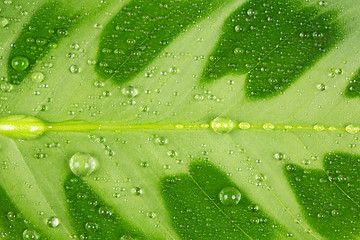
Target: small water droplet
<point>229,196</point>
<point>37,77</point>
<point>98,84</point>
<point>3,22</point>
<point>161,140</point>
<point>82,164</point>
<point>172,153</point>
<point>321,87</point>
<point>251,12</point>
<point>151,215</point>
<point>74,69</point>
<point>20,63</point>
<point>6,87</point>
<point>91,226</point>
<point>238,28</point>
<point>137,191</point>
<point>279,156</point>
<point>11,216</point>
<point>129,91</point>
<point>104,211</point>
<point>53,222</point>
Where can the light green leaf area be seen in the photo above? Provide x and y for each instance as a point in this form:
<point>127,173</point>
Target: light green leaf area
<point>154,120</point>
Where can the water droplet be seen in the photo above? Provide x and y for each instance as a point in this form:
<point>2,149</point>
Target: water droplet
<point>253,207</point>
<point>238,28</point>
<point>222,125</point>
<point>151,215</point>
<point>321,87</point>
<point>268,126</point>
<point>91,226</point>
<point>129,91</point>
<point>137,191</point>
<point>30,234</point>
<point>279,156</point>
<point>335,213</point>
<point>238,50</point>
<point>161,140</point>
<point>251,12</point>
<point>37,77</point>
<point>74,69</point>
<point>82,164</point>
<point>62,32</point>
<point>104,211</point>
<point>20,63</point>
<point>6,87</point>
<point>11,216</point>
<point>3,22</point>
<point>53,222</point>
<point>352,129</point>
<point>172,153</point>
<point>229,196</point>
<point>98,84</point>
<point>127,237</point>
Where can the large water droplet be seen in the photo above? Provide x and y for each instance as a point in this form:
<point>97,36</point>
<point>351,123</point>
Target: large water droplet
<point>82,164</point>
<point>222,125</point>
<point>20,63</point>
<point>129,91</point>
<point>229,196</point>
<point>30,234</point>
<point>53,222</point>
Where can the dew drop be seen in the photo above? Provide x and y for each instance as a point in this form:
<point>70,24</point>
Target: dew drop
<point>82,164</point>
<point>6,87</point>
<point>20,63</point>
<point>104,211</point>
<point>161,140</point>
<point>279,156</point>
<point>238,50</point>
<point>30,234</point>
<point>352,129</point>
<point>229,196</point>
<point>129,91</point>
<point>53,222</point>
<point>98,84</point>
<point>126,237</point>
<point>222,125</point>
<point>151,215</point>
<point>74,69</point>
<point>11,216</point>
<point>91,226</point>
<point>251,12</point>
<point>3,22</point>
<point>238,28</point>
<point>321,87</point>
<point>137,191</point>
<point>172,153</point>
<point>37,77</point>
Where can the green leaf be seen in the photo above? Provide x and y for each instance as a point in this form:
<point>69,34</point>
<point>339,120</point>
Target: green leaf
<point>151,104</point>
